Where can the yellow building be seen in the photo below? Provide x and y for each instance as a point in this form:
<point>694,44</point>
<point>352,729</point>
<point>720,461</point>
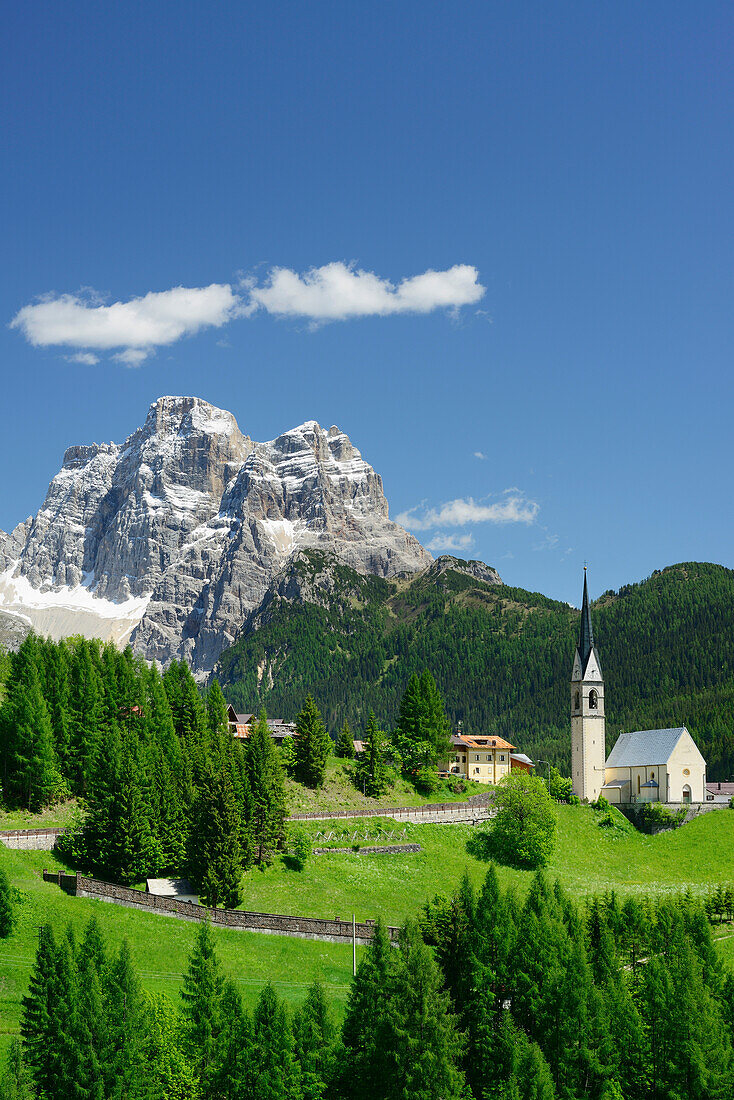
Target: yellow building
<point>655,766</point>
<point>483,759</point>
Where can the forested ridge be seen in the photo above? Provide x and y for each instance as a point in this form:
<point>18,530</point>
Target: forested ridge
<point>501,656</point>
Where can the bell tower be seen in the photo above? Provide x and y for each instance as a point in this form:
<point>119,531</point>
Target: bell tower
<point>588,747</point>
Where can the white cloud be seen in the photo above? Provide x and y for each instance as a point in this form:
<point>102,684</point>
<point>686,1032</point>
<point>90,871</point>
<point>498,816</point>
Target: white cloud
<point>446,544</point>
<point>87,357</point>
<point>136,326</point>
<point>132,330</point>
<point>338,291</point>
<point>480,454</point>
<point>514,508</point>
<point>132,357</point>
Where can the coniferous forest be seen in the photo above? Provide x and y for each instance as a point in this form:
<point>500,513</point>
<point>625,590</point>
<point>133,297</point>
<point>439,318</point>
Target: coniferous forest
<point>485,996</point>
<point>501,656</point>
<point>164,784</point>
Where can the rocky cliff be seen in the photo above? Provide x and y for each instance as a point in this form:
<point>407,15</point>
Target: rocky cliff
<point>170,539</point>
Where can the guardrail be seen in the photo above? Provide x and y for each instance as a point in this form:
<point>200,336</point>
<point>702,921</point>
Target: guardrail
<point>425,810</point>
<point>318,928</point>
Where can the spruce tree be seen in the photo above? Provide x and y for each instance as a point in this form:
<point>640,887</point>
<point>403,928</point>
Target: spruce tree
<point>345,743</point>
<point>215,856</point>
<point>265,779</point>
<point>315,1038</point>
<point>217,722</point>
<point>32,777</point>
<point>134,851</point>
<point>312,745</point>
<point>421,1043</point>
<point>372,772</point>
<point>233,1073</point>
<point>123,1059</point>
<point>16,1082</point>
<point>362,1072</point>
<point>274,1068</point>
<point>7,911</point>
<point>202,996</point>
<point>85,712</point>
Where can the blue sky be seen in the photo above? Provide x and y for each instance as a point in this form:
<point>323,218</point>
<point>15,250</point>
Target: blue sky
<point>570,163</point>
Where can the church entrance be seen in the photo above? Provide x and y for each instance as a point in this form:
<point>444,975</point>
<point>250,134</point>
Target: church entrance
<point>686,793</point>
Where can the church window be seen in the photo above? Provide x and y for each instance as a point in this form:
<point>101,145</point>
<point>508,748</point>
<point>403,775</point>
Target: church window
<point>576,701</point>
<point>593,699</point>
<point>638,784</point>
<point>686,771</point>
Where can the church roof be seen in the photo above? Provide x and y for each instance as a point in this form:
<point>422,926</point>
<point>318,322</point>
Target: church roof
<point>586,634</point>
<point>643,747</point>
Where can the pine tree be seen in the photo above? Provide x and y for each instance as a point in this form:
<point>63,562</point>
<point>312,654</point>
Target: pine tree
<point>202,996</point>
<point>234,1071</point>
<point>217,722</point>
<point>421,1043</point>
<point>47,1022</point>
<point>85,712</point>
<point>312,745</point>
<point>437,724</point>
<point>16,1083</point>
<point>412,735</point>
<point>215,857</point>
<point>315,1037</point>
<point>372,772</point>
<point>362,1070</point>
<point>267,791</point>
<point>123,1058</point>
<point>275,1072</point>
<point>134,851</point>
<point>32,777</point>
<point>345,743</point>
<point>7,912</point>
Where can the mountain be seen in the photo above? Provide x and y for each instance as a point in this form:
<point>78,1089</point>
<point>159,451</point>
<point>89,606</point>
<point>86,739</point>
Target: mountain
<point>502,656</point>
<point>170,539</point>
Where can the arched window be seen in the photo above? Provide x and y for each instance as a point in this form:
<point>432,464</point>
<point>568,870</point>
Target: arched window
<point>593,699</point>
<point>576,701</point>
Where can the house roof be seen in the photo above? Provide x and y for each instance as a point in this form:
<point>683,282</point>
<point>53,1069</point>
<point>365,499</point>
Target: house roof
<point>644,747</point>
<point>480,741</point>
<point>522,758</point>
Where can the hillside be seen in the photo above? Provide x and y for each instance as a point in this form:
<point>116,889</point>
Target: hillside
<point>587,859</point>
<point>502,656</point>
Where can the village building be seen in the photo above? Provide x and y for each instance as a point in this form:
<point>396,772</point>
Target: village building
<point>240,725</point>
<point>483,759</point>
<point>655,766</point>
<point>661,765</point>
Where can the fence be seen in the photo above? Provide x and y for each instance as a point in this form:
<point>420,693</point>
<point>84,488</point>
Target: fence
<point>313,928</point>
<point>32,839</point>
<point>426,810</point>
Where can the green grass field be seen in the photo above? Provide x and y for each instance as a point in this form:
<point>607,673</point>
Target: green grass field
<point>588,859</point>
<point>160,946</point>
<point>340,793</point>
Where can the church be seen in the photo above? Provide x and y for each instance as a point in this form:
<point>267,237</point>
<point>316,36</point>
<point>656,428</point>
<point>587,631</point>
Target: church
<point>644,766</point>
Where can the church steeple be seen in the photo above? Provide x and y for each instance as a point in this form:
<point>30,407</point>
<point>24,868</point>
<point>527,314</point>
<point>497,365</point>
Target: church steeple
<point>587,711</point>
<point>586,633</point>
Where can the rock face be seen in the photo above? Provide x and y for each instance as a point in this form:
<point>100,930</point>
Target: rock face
<point>171,538</point>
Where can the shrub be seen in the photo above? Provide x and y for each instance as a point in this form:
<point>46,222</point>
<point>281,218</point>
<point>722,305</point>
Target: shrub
<point>426,779</point>
<point>522,833</point>
<point>300,846</point>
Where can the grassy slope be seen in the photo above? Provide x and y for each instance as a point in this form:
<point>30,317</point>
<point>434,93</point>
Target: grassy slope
<point>160,946</point>
<point>55,817</point>
<point>587,859</point>
<point>339,793</point>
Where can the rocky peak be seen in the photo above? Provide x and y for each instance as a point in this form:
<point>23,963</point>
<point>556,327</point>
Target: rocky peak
<point>171,538</point>
<point>476,569</point>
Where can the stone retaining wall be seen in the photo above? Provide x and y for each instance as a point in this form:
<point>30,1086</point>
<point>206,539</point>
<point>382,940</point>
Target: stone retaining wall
<point>40,840</point>
<point>313,928</point>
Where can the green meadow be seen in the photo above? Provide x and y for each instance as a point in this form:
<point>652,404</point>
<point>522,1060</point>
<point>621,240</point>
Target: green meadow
<point>587,859</point>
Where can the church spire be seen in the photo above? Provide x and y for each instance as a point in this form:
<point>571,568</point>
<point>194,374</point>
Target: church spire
<point>586,634</point>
